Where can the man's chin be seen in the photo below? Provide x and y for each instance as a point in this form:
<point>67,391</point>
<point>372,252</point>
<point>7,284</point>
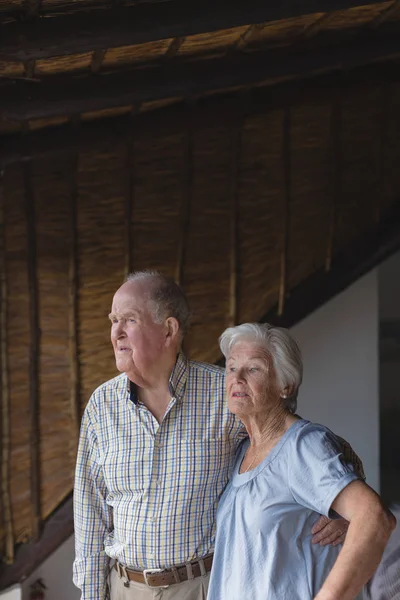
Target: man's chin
<point>122,366</point>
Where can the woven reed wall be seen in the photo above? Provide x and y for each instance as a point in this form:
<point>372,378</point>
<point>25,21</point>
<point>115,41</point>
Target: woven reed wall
<point>221,208</point>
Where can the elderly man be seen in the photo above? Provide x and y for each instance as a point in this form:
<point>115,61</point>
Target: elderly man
<point>156,448</point>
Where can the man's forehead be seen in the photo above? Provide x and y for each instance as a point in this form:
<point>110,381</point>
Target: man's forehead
<point>132,296</point>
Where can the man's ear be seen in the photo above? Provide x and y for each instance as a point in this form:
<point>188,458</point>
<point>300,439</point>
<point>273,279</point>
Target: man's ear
<point>172,330</point>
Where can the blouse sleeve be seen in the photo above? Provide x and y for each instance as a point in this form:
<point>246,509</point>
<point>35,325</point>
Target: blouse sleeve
<point>318,470</point>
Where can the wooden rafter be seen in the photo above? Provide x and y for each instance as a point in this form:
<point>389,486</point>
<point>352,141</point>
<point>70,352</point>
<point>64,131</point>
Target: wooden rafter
<point>66,95</point>
<point>124,26</point>
<point>385,14</point>
<point>287,181</point>
<point>34,352</point>
<point>186,204</point>
<point>174,47</point>
<point>73,352</point>
<point>245,37</point>
<point>56,140</point>
<point>316,26</point>
<point>5,395</point>
<point>29,69</point>
<point>335,180</point>
<point>129,198</point>
<point>97,60</point>
<point>236,145</point>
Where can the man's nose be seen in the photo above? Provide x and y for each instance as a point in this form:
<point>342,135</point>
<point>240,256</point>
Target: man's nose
<point>120,329</point>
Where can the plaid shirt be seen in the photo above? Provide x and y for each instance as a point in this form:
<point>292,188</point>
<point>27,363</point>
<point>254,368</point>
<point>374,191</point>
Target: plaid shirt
<point>146,493</point>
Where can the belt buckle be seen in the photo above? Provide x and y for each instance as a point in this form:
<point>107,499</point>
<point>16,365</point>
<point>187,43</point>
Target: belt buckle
<point>150,572</point>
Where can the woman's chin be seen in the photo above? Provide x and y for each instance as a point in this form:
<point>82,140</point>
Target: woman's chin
<point>237,406</point>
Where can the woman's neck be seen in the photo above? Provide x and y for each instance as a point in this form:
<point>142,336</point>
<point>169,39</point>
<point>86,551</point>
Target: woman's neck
<point>267,428</point>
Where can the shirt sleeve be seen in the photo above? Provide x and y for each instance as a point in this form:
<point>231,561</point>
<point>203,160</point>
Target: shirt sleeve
<point>92,516</point>
<point>317,470</point>
<point>351,457</point>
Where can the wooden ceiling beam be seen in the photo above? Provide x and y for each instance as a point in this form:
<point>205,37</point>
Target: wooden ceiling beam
<point>174,47</point>
<point>384,15</point>
<point>85,31</point>
<point>218,109</point>
<point>67,95</point>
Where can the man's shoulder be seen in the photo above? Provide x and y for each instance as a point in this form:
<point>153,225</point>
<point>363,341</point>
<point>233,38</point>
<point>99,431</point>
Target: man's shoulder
<point>213,371</point>
<point>110,387</point>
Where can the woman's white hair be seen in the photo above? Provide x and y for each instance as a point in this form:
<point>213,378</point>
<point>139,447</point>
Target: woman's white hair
<point>280,345</point>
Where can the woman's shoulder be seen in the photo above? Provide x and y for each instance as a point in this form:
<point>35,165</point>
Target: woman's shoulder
<point>314,436</point>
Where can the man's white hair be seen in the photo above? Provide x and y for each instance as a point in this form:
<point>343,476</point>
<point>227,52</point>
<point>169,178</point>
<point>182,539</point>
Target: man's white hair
<point>165,298</point>
<point>281,346</point>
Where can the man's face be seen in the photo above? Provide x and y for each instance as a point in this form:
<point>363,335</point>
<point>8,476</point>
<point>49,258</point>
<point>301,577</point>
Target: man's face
<point>138,342</point>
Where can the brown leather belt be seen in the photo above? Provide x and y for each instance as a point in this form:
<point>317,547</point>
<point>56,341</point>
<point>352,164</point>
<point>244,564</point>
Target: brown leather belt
<point>163,577</point>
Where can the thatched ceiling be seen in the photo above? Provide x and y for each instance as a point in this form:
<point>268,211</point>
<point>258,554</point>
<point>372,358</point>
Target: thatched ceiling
<point>250,150</point>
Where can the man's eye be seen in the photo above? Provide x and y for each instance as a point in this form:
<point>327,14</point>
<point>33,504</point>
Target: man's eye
<point>253,370</point>
<point>131,321</point>
<point>232,369</point>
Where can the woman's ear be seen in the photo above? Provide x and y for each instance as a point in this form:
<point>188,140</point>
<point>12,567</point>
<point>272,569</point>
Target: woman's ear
<point>172,330</point>
<point>287,391</point>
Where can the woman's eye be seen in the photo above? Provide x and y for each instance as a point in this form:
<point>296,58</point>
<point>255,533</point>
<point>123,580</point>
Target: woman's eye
<point>232,369</point>
<point>131,320</point>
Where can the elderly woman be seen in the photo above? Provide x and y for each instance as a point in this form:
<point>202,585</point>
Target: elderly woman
<point>286,473</point>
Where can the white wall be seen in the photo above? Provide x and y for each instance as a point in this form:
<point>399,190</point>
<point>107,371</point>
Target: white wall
<point>340,351</point>
<point>56,573</point>
<point>13,593</point>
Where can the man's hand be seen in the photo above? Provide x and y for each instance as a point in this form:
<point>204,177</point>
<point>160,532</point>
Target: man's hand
<point>327,531</point>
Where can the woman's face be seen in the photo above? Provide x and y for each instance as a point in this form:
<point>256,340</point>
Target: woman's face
<point>251,382</point>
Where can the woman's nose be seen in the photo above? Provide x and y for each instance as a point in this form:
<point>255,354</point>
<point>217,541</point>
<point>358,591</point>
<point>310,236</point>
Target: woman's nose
<point>239,376</point>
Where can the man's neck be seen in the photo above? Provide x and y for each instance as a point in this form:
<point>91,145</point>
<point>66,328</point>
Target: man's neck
<point>156,400</point>
<point>155,393</point>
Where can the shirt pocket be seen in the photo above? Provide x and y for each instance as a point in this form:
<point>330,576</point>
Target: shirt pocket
<point>208,462</point>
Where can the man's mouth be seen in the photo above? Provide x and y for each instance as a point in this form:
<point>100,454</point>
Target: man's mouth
<point>239,395</point>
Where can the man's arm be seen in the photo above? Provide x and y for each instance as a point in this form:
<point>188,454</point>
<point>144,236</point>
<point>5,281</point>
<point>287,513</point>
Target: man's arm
<point>327,531</point>
<point>92,515</point>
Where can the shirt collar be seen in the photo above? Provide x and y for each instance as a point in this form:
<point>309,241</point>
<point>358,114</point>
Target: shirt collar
<point>176,384</point>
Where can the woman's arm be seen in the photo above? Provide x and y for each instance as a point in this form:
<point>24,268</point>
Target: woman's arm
<point>370,527</point>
